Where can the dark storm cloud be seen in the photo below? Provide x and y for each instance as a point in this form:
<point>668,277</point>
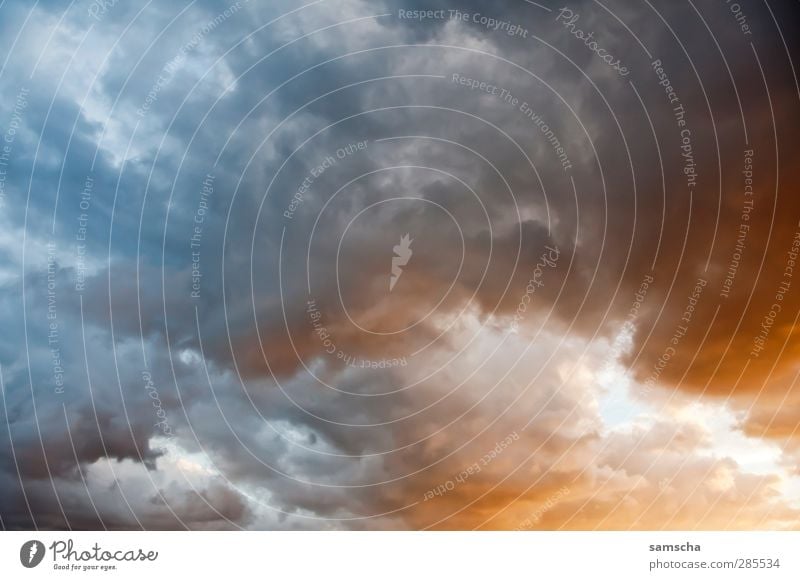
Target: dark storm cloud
<point>267,418</point>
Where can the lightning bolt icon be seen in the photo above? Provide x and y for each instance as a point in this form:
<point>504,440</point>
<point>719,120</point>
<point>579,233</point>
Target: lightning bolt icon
<point>402,255</point>
<point>33,551</point>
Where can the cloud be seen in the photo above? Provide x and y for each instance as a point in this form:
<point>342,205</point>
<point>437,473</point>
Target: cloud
<point>179,355</point>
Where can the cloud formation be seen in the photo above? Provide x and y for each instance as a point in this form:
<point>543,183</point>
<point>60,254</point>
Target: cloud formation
<point>203,323</point>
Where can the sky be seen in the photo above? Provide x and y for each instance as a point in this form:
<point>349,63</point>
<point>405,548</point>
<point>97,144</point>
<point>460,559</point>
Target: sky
<point>399,265</point>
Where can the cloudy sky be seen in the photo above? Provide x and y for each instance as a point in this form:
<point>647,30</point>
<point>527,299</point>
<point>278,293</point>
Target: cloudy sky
<point>396,264</point>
